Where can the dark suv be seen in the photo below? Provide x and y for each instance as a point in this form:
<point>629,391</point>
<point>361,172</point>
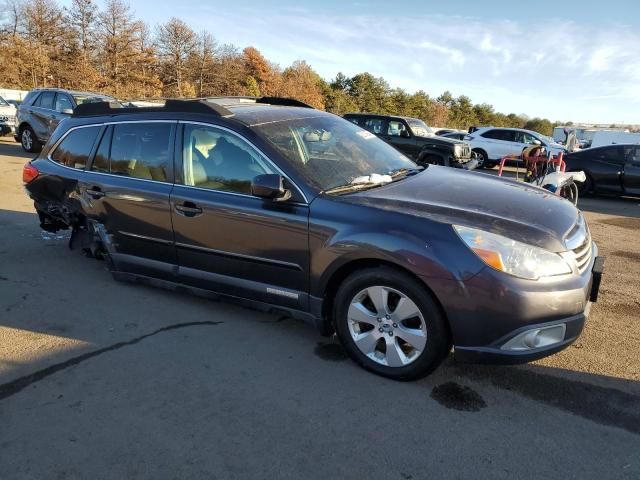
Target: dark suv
<point>272,203</point>
<point>41,111</point>
<point>416,140</point>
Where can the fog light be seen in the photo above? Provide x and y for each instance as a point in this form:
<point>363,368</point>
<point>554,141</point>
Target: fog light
<point>536,338</point>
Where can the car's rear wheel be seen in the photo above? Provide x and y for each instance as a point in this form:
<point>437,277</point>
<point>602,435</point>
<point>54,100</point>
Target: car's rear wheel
<point>29,140</point>
<point>390,324</point>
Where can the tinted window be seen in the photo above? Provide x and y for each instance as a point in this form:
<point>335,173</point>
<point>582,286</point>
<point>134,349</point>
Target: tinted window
<point>31,97</point>
<point>215,159</point>
<point>63,102</point>
<point>76,147</point>
<point>608,154</point>
<point>45,100</point>
<point>101,160</point>
<point>506,135</point>
<point>142,150</point>
<point>633,155</point>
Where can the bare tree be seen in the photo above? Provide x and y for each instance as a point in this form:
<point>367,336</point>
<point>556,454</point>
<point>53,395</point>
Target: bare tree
<point>44,28</point>
<point>201,63</point>
<point>176,42</point>
<point>119,34</point>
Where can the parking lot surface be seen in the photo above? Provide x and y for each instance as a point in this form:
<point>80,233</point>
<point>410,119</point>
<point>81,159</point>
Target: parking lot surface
<point>102,379</point>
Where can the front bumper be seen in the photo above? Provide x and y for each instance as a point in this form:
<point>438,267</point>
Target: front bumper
<point>498,319</point>
<point>496,354</point>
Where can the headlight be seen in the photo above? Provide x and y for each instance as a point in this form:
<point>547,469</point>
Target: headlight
<point>512,257</point>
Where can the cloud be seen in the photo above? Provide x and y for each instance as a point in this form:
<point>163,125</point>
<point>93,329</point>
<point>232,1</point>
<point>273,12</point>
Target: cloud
<point>556,69</point>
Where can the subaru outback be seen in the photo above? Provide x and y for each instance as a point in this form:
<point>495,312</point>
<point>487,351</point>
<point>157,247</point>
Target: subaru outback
<point>271,203</point>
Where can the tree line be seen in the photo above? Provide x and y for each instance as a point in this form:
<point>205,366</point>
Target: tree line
<point>107,49</point>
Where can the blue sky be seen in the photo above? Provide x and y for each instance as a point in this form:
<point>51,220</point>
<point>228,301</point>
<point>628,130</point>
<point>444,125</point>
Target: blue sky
<point>564,60</point>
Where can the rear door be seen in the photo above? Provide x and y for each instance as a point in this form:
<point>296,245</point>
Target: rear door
<point>228,240</point>
<point>631,177</point>
<point>606,168</point>
<point>127,192</point>
<point>497,143</point>
<point>41,113</point>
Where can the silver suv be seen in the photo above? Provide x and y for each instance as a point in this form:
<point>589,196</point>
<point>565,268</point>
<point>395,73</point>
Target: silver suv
<point>42,110</point>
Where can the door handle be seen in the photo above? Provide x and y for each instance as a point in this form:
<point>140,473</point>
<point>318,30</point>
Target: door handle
<point>188,209</point>
<point>95,193</point>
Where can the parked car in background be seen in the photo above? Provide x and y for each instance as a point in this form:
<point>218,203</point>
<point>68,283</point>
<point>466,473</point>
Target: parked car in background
<point>416,139</point>
<point>454,135</point>
<point>7,117</point>
<point>611,169</point>
<point>42,110</point>
<point>491,143</point>
<point>291,209</point>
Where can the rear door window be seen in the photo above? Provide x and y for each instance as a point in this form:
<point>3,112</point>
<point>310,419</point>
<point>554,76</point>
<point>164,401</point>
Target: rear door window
<point>143,150</point>
<point>75,149</point>
<point>45,100</point>
<point>608,154</point>
<point>101,160</point>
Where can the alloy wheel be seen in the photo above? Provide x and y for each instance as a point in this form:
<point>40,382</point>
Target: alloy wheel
<point>27,140</point>
<point>387,326</point>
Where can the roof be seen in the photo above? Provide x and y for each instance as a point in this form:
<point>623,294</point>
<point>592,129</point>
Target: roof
<point>248,110</point>
<point>72,92</point>
<point>384,115</point>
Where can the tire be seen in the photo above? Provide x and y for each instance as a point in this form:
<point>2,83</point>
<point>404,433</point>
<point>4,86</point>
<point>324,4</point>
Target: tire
<point>420,340</point>
<point>430,159</point>
<point>29,141</point>
<point>482,157</point>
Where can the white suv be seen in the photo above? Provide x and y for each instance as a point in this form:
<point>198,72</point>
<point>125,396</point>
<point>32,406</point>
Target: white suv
<point>491,144</point>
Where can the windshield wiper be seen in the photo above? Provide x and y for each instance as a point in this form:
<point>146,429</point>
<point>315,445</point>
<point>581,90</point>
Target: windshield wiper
<point>352,187</point>
<point>405,172</point>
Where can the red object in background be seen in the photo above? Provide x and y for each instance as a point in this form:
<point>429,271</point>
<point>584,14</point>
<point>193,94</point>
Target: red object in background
<point>29,173</point>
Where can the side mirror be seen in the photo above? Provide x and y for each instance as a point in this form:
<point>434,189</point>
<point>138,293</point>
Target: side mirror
<point>405,134</point>
<point>270,186</point>
<point>67,111</point>
<point>537,142</point>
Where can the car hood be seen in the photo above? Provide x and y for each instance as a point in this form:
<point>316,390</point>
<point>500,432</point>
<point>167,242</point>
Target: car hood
<point>522,212</point>
<point>442,140</point>
<point>7,110</point>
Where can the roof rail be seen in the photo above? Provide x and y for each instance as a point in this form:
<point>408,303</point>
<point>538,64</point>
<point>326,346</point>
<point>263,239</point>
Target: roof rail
<point>244,100</point>
<point>171,105</point>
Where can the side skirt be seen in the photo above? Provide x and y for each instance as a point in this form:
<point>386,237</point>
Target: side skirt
<point>253,304</point>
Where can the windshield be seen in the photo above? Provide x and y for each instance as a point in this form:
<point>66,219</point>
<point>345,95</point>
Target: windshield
<point>329,151</point>
<point>80,99</point>
<point>419,128</point>
<point>3,102</point>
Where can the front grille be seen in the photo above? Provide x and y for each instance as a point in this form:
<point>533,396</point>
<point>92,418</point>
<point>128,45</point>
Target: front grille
<point>7,118</point>
<point>583,253</point>
<point>463,151</point>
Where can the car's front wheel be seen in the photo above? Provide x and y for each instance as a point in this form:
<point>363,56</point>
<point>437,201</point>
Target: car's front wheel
<point>390,324</point>
<point>482,157</point>
<point>28,140</point>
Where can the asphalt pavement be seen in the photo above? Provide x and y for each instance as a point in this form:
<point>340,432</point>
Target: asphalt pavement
<point>108,380</point>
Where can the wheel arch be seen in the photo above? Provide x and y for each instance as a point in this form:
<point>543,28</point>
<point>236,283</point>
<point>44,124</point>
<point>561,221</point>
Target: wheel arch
<point>340,274</point>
